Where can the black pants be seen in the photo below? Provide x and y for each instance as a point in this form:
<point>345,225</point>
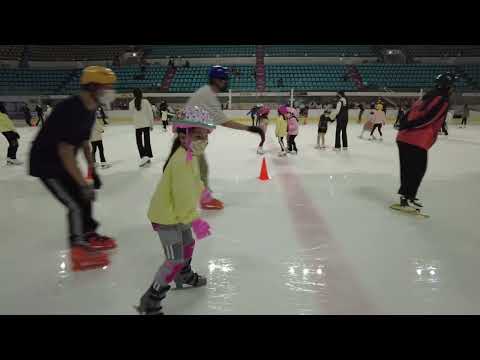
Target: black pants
<point>464,121</point>
<point>80,220</point>
<point>413,165</point>
<point>143,142</point>
<point>291,142</point>
<point>99,145</point>
<point>280,141</point>
<point>165,123</point>
<point>341,129</point>
<point>377,126</point>
<point>360,116</point>
<point>253,119</point>
<point>12,138</point>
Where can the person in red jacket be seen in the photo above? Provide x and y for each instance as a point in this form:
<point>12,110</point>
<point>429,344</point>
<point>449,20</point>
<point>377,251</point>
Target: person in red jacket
<point>417,133</point>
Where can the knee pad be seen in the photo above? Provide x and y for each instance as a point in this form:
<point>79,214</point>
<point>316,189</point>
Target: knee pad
<point>173,268</point>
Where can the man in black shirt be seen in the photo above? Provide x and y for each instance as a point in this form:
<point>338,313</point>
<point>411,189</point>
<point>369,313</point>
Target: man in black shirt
<point>342,121</point>
<point>53,161</point>
<point>27,114</point>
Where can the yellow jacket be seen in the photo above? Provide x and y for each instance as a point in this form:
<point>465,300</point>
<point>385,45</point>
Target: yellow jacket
<point>280,127</point>
<point>5,123</point>
<point>176,198</point>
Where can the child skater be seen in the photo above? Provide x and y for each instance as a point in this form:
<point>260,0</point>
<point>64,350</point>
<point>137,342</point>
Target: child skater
<point>7,128</point>
<point>322,128</point>
<point>96,141</point>
<point>262,116</point>
<point>173,210</point>
<point>281,132</point>
<point>292,127</point>
<point>379,119</point>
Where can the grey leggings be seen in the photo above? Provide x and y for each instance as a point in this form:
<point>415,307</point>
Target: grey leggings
<point>178,245</point>
<point>203,165</point>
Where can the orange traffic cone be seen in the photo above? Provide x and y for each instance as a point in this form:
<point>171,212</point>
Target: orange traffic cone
<point>263,171</point>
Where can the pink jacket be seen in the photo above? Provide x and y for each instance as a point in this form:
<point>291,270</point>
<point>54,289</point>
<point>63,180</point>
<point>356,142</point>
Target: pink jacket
<point>379,117</point>
<point>292,126</point>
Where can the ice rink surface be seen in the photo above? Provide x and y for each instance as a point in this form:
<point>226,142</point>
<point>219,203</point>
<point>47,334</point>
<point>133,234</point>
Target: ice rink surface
<point>318,238</point>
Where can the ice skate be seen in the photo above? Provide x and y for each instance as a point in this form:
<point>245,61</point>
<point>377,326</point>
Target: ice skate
<point>14,162</point>
<point>294,152</point>
<point>282,153</point>
<point>100,242</point>
<point>188,277</point>
<point>405,206</point>
<point>105,165</point>
<point>260,151</point>
<point>372,137</point>
<point>151,301</point>
<point>83,258</point>
<point>144,161</point>
<point>212,204</point>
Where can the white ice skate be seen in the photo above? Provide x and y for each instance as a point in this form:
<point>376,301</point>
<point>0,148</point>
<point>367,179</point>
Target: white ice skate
<point>260,151</point>
<point>144,161</point>
<point>14,162</point>
<point>105,165</point>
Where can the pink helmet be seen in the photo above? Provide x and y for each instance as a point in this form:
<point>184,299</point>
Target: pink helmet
<point>264,111</point>
<point>283,110</point>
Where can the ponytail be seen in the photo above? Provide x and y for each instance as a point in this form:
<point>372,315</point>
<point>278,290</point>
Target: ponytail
<point>137,93</point>
<point>176,144</point>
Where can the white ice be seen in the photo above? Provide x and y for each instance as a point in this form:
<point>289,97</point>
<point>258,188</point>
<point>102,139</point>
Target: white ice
<point>318,238</point>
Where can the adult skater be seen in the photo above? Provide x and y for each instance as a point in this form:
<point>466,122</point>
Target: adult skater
<point>362,110</point>
<point>206,98</point>
<point>142,115</point>
<point>7,128</point>
<point>103,116</point>
<point>400,115</point>
<point>341,116</point>
<point>27,115</point>
<point>39,112</point>
<point>418,132</point>
<point>465,116</point>
<point>53,160</point>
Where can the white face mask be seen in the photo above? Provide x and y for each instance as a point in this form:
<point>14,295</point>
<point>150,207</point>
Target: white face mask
<point>107,96</point>
<point>198,147</point>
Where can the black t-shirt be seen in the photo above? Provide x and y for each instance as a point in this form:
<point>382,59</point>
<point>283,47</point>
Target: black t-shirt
<point>69,122</point>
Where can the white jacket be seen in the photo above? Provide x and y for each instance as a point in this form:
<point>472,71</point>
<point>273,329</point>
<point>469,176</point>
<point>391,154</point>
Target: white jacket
<point>144,117</point>
<point>97,130</point>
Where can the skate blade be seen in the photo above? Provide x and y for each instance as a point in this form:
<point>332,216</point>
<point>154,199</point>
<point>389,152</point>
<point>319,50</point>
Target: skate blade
<point>140,312</point>
<point>409,210</point>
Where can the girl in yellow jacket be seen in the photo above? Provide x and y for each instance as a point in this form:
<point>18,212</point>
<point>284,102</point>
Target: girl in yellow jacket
<point>173,209</point>
<point>281,132</point>
<point>7,128</point>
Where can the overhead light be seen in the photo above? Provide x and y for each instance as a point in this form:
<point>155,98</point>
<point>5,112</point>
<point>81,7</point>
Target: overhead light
<point>134,54</point>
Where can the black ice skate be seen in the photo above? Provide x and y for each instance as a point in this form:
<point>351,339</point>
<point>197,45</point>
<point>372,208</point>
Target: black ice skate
<point>415,203</point>
<point>188,277</point>
<point>151,301</point>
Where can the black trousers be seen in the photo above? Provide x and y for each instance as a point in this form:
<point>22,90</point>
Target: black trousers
<point>12,138</point>
<point>377,126</point>
<point>444,128</point>
<point>341,129</point>
<point>464,121</point>
<point>360,116</point>
<point>80,220</point>
<point>291,142</point>
<point>98,145</point>
<point>253,119</point>
<point>143,142</point>
<point>165,123</point>
<point>413,165</point>
<point>280,141</point>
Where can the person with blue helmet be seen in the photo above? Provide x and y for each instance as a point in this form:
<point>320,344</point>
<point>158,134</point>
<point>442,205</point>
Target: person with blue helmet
<point>206,98</point>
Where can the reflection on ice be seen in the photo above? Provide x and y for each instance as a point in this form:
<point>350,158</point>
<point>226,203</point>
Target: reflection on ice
<point>221,284</point>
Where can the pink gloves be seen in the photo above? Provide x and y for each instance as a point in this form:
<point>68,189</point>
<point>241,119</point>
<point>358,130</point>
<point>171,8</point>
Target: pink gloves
<point>200,228</point>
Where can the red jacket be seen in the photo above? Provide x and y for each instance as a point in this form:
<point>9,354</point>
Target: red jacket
<point>424,120</point>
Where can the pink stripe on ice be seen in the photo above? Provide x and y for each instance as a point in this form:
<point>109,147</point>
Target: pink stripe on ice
<point>343,293</point>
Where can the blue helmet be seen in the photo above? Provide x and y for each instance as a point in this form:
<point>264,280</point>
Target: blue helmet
<point>218,72</point>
